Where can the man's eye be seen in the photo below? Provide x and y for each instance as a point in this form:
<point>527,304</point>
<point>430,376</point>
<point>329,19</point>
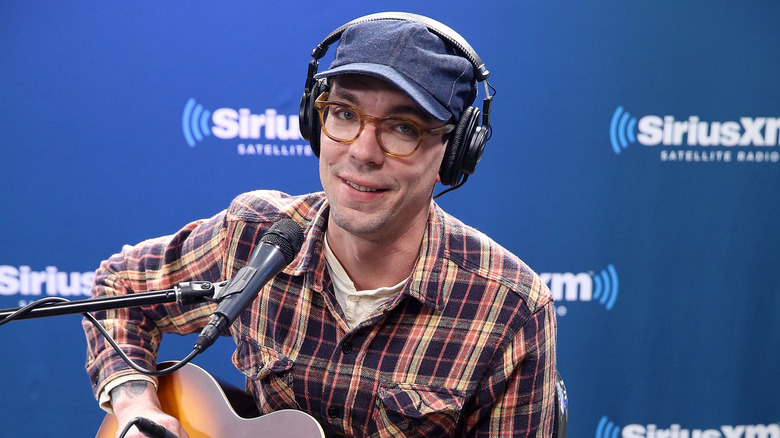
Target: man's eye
<point>406,129</point>
<point>343,113</point>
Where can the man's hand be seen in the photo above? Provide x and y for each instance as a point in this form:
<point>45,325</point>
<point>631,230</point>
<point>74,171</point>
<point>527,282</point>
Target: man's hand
<point>138,398</point>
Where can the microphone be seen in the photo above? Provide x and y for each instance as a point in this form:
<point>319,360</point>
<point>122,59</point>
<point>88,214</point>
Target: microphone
<point>277,249</point>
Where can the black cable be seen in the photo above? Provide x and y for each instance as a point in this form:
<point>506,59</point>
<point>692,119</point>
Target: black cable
<point>148,428</point>
<point>457,186</point>
<point>133,365</point>
<point>43,301</point>
<point>30,307</point>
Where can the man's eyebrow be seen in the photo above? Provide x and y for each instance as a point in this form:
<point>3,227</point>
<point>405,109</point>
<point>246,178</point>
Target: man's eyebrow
<point>347,95</point>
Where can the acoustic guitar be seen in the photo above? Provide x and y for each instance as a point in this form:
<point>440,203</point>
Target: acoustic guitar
<point>210,408</point>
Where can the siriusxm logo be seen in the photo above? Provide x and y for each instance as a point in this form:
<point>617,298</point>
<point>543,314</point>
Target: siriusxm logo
<point>197,123</point>
<point>30,285</point>
<point>622,130</point>
<point>601,287</point>
<point>608,429</point>
<point>652,130</point>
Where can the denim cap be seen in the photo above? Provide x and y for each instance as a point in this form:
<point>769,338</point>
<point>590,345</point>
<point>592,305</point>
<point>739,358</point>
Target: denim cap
<point>410,57</point>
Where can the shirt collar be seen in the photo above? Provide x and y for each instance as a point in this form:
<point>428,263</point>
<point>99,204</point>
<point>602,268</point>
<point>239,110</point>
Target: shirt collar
<point>433,267</point>
<point>310,260</point>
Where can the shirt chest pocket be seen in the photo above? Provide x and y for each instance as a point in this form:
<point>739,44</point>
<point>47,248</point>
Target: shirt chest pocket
<point>417,410</point>
<point>268,374</point>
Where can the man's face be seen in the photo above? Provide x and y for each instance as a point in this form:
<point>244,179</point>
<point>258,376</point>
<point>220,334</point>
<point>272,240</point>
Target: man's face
<point>373,195</point>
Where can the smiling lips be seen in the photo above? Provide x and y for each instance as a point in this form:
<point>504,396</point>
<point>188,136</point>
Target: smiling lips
<point>359,187</point>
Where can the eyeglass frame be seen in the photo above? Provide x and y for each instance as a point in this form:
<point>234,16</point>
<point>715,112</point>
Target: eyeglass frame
<point>424,132</point>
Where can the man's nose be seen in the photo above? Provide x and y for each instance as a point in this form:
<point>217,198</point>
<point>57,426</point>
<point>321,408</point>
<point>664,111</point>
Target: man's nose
<point>366,147</point>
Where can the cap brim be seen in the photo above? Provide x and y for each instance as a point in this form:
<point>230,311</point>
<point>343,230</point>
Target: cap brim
<point>414,91</point>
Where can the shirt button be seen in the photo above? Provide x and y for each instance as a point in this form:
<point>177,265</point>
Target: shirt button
<point>346,347</point>
<point>333,412</point>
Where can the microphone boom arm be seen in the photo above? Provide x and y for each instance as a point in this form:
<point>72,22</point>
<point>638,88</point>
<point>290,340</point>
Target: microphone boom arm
<point>189,292</point>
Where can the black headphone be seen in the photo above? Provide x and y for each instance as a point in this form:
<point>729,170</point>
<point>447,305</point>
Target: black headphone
<point>466,142</point>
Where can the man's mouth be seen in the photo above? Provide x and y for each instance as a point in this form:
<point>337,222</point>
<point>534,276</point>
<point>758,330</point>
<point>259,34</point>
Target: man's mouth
<point>359,187</point>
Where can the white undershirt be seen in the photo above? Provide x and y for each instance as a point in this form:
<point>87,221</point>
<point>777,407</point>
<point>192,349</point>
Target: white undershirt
<point>356,305</point>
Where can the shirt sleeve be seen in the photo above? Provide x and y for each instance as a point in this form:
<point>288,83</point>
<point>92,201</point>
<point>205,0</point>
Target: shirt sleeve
<point>104,397</point>
<point>193,253</point>
<point>519,397</point>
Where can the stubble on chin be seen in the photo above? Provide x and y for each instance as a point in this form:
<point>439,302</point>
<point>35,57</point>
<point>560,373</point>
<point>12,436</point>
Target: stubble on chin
<point>357,223</point>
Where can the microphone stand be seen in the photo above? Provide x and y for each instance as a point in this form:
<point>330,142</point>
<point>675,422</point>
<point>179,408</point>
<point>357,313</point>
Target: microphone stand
<point>189,292</point>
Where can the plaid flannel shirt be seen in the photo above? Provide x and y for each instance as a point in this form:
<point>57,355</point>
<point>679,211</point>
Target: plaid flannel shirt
<point>466,349</point>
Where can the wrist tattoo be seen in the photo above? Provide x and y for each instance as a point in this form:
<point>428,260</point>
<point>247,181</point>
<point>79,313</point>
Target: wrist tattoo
<point>130,389</point>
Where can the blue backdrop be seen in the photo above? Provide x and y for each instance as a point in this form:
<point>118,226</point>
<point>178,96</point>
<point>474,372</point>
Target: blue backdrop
<point>634,164</point>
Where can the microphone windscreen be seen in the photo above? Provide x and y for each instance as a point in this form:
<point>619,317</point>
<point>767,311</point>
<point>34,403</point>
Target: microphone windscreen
<point>286,235</point>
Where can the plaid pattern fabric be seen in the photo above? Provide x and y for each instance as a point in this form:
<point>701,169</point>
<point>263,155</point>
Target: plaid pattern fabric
<point>467,349</point>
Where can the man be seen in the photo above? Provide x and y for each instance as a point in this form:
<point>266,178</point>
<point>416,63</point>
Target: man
<point>395,319</point>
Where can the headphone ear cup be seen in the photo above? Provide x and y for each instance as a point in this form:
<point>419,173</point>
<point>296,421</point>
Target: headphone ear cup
<point>452,165</point>
<point>308,120</point>
<point>475,148</point>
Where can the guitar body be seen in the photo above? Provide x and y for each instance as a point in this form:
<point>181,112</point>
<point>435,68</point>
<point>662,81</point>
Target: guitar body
<point>207,408</point>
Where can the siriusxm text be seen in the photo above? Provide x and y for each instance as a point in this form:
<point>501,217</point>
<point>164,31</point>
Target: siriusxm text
<point>676,431</point>
<point>230,124</point>
<point>760,131</point>
<point>28,283</point>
